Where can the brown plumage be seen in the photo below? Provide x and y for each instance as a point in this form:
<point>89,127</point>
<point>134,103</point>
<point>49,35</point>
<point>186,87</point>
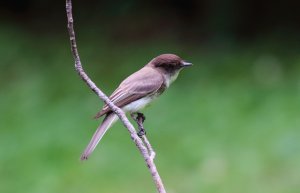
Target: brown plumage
<point>144,82</point>
<point>137,91</point>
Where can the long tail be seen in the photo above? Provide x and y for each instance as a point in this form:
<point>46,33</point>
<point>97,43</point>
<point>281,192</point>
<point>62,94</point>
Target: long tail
<point>105,125</point>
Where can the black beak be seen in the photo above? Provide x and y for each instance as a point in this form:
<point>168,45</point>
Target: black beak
<point>186,64</point>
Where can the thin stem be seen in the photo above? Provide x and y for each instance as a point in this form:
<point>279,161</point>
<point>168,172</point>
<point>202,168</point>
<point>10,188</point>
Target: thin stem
<point>119,112</point>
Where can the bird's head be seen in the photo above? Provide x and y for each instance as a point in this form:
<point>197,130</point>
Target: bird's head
<point>169,63</point>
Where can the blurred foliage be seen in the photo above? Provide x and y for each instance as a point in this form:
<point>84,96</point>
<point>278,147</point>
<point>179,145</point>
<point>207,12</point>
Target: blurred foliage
<point>187,20</point>
<point>229,124</point>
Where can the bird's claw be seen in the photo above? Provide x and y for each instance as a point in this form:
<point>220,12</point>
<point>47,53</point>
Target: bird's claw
<point>141,116</point>
<point>141,132</point>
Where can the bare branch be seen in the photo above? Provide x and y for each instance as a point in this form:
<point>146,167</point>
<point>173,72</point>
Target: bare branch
<point>149,147</point>
<point>139,119</point>
<point>119,112</point>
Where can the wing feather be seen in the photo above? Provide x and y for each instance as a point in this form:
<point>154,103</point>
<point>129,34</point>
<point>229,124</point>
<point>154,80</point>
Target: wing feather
<point>141,83</point>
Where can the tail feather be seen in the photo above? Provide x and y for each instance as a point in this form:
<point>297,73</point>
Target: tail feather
<point>101,130</point>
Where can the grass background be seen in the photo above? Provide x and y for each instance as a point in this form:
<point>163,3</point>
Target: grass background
<point>229,124</point>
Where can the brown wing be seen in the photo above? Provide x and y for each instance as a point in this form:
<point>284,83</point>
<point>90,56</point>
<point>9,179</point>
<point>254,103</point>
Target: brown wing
<point>141,83</point>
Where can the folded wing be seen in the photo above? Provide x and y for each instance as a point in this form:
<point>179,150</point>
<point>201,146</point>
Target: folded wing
<point>141,83</point>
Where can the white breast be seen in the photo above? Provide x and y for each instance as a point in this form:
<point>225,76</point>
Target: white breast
<point>137,105</point>
<point>169,79</point>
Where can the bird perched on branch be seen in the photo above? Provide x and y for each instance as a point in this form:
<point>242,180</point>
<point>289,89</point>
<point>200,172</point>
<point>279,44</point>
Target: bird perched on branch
<point>137,91</point>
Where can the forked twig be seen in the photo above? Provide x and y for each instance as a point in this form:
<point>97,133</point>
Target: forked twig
<point>140,118</point>
<point>119,112</point>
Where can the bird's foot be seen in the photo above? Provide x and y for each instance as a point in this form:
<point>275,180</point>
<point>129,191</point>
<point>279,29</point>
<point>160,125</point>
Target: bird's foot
<point>141,132</point>
<point>141,117</point>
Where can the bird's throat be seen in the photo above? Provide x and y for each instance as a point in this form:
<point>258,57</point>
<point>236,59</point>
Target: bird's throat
<point>170,78</point>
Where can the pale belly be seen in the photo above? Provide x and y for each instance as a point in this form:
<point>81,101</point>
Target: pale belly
<point>143,102</point>
<point>138,105</point>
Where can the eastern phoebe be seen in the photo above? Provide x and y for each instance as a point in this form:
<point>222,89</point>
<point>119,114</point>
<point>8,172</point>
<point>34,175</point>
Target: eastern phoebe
<point>137,91</point>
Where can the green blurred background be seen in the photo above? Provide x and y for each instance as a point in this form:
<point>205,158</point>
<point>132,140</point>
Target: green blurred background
<point>229,124</point>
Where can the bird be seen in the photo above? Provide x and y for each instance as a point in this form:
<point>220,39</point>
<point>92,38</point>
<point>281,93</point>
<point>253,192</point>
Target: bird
<point>137,91</point>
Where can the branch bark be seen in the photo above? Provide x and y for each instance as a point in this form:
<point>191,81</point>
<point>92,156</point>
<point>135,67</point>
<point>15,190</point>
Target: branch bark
<point>119,112</point>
